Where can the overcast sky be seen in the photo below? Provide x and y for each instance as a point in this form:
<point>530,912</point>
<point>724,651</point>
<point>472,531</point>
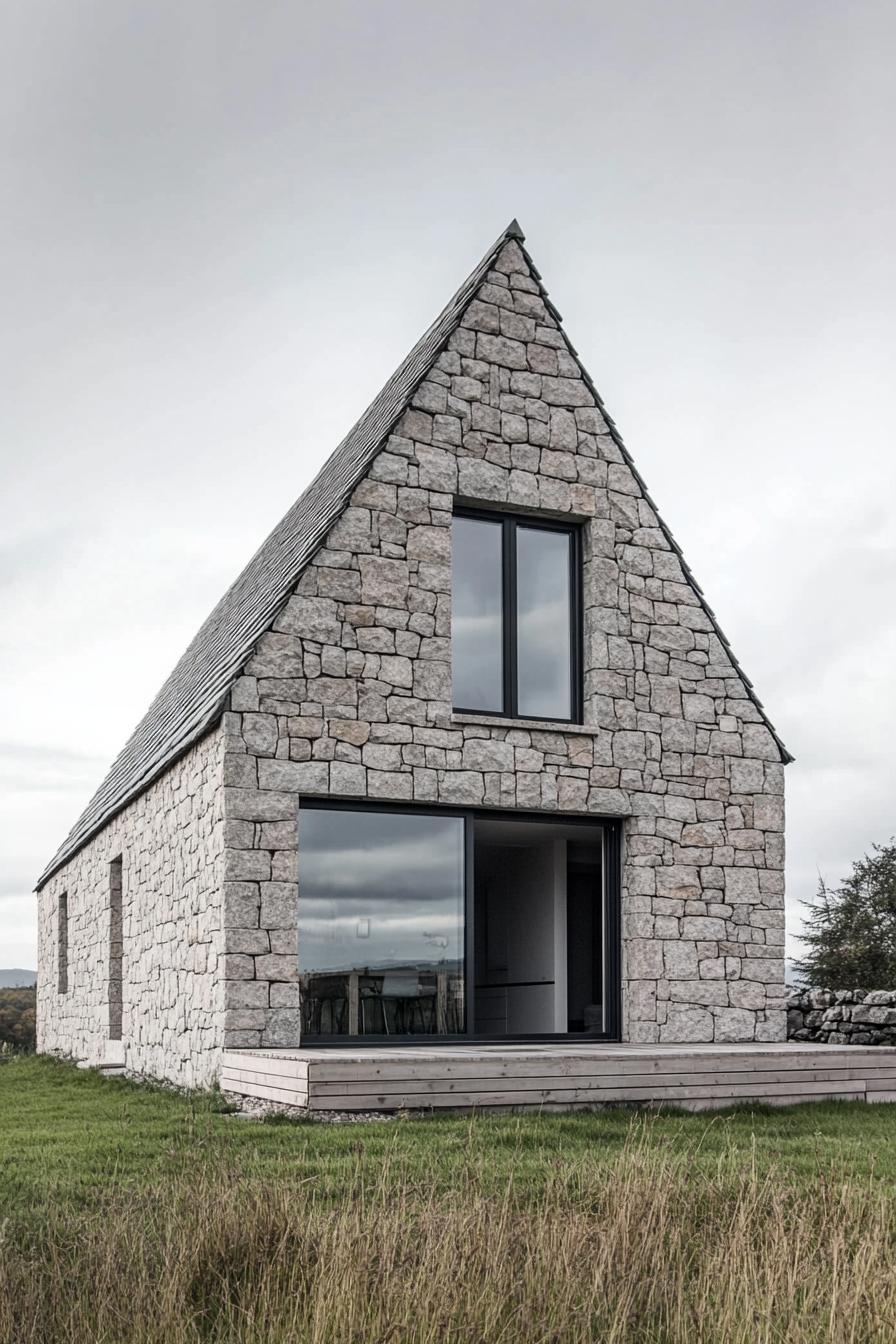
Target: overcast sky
<point>222,225</point>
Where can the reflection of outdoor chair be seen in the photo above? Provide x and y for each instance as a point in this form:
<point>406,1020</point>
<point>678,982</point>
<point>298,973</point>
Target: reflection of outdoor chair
<point>368,994</point>
<point>325,996</point>
<point>408,994</point>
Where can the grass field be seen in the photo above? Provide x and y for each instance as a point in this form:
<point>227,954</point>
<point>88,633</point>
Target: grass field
<point>132,1214</point>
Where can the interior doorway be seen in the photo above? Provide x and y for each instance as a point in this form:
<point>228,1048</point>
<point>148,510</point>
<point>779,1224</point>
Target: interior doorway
<point>539,928</point>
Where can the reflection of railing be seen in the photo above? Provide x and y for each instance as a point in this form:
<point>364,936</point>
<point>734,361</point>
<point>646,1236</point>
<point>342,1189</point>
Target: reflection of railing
<point>361,1002</point>
<point>421,967</point>
<point>515,984</point>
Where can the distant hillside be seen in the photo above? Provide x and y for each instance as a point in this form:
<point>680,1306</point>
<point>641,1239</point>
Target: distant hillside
<point>16,977</point>
<point>18,1019</point>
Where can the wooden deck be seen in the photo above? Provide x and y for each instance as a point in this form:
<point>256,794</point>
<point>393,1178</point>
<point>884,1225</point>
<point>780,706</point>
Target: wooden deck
<point>559,1076</point>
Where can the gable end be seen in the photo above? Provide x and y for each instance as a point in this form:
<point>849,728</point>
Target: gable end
<point>195,695</point>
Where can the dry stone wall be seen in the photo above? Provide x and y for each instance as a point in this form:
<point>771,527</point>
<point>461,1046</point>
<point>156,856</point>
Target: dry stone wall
<point>170,841</point>
<point>349,694</point>
<point>842,1016</point>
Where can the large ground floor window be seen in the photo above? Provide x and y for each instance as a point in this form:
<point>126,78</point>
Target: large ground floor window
<point>448,924</point>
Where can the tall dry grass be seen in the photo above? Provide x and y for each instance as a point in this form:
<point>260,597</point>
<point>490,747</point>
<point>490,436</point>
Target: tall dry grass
<point>643,1249</point>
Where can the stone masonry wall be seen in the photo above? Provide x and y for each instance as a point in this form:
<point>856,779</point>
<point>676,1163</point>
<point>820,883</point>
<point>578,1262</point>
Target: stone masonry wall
<point>170,840</point>
<point>349,694</point>
<point>842,1016</point>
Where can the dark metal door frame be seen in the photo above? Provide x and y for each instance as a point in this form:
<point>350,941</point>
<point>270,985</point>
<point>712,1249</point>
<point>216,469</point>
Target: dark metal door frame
<point>611,917</point>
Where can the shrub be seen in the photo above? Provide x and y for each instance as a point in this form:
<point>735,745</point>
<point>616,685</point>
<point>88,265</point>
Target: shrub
<point>18,1019</point>
<point>851,929</point>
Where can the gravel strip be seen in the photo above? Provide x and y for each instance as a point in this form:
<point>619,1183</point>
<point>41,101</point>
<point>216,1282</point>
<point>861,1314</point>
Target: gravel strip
<point>255,1108</point>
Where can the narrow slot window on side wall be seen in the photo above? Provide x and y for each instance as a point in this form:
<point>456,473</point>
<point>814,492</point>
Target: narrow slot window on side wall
<point>62,944</point>
<point>115,950</point>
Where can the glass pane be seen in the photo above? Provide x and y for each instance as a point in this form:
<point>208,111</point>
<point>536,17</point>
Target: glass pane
<point>476,621</point>
<point>381,923</point>
<point>543,623</point>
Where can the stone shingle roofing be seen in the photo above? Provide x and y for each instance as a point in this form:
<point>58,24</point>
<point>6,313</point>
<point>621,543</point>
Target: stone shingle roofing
<point>195,694</point>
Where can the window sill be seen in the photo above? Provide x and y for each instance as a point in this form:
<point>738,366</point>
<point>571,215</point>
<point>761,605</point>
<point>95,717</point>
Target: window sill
<point>530,725</point>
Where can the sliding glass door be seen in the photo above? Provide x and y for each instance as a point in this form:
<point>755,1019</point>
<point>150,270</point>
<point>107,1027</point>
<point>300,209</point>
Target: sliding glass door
<point>417,922</point>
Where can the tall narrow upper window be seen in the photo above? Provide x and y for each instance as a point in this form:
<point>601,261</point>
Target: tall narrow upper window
<point>62,944</point>
<point>515,621</point>
<point>115,950</point>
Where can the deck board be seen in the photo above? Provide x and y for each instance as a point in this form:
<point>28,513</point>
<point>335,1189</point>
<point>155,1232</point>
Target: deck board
<point>559,1076</point>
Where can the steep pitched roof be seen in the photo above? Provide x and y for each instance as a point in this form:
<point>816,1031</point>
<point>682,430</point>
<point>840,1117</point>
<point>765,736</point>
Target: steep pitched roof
<point>195,694</point>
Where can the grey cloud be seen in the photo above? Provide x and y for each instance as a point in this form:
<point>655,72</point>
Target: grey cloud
<point>219,236</point>
<point>12,888</point>
<point>33,767</point>
<point>35,553</point>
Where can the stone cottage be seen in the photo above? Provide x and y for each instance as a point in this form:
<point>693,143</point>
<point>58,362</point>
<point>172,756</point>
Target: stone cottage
<point>462,753</point>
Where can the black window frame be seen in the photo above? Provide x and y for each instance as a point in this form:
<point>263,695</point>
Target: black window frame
<point>611,915</point>
<point>510,522</point>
